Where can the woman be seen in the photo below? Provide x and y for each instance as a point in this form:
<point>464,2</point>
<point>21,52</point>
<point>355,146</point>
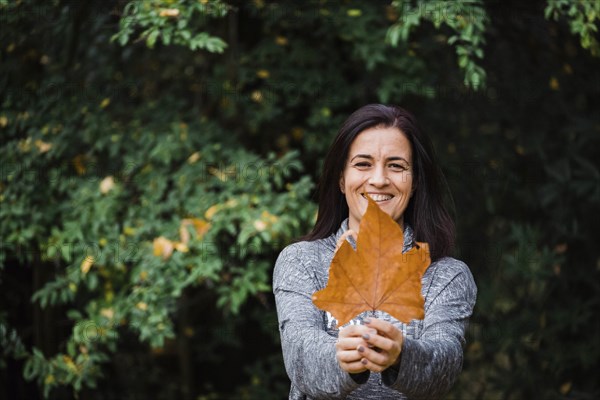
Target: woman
<point>381,152</point>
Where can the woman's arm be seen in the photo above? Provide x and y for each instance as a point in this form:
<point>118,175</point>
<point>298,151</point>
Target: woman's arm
<point>309,352</point>
<point>430,364</point>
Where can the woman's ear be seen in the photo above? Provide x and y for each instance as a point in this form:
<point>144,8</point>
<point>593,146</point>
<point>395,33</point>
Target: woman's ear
<point>342,183</point>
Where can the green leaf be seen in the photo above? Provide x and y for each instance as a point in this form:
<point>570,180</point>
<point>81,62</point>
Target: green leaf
<point>151,39</point>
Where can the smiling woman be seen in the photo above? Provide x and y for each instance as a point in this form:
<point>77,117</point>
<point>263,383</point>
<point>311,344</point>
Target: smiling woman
<point>426,211</point>
<point>379,152</point>
<point>378,165</point>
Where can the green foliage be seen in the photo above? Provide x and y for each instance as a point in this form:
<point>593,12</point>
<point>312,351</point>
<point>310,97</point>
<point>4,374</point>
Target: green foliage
<point>152,184</point>
<point>11,344</point>
<point>180,23</point>
<point>582,17</point>
<point>466,19</point>
<point>157,155</point>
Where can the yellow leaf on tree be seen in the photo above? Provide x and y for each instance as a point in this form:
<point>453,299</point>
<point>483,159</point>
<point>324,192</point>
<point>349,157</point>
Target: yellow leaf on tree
<point>162,247</point>
<point>263,73</point>
<point>268,217</point>
<point>182,247</point>
<point>257,96</point>
<point>79,164</point>
<point>107,313</point>
<point>222,175</point>
<point>42,146</point>
<point>377,276</point>
<point>565,387</point>
<point>184,234</point>
<point>25,145</point>
<point>193,158</point>
<point>70,364</point>
<point>212,210</point>
<point>169,12</point>
<point>107,184</point>
<point>200,226</point>
<point>86,264</point>
<point>231,203</point>
<point>260,225</point>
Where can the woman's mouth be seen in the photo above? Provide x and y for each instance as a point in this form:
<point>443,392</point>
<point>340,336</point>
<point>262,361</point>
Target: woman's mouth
<point>378,197</point>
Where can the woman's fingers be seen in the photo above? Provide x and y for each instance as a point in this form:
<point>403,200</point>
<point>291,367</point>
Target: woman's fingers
<point>371,366</point>
<point>349,356</point>
<point>355,331</point>
<point>378,341</point>
<point>353,367</point>
<point>383,327</point>
<point>372,355</point>
<point>350,361</point>
<point>375,360</point>
<point>350,338</point>
<point>350,343</point>
<point>374,346</point>
<point>388,338</point>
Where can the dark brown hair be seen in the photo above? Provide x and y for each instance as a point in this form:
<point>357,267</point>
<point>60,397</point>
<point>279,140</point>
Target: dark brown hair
<point>426,212</point>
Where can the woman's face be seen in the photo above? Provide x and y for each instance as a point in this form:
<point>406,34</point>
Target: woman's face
<point>379,163</point>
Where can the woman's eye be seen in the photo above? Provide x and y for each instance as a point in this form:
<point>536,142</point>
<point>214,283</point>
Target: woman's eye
<point>362,164</point>
<point>398,167</point>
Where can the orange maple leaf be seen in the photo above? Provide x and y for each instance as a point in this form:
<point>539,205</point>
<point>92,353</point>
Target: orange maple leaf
<point>377,276</point>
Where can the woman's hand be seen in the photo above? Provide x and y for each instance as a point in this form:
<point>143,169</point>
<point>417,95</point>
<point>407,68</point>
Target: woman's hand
<point>383,347</point>
<point>375,346</point>
<point>350,341</point>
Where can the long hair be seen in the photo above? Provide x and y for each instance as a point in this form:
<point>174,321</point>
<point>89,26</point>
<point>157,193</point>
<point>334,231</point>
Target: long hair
<point>426,212</point>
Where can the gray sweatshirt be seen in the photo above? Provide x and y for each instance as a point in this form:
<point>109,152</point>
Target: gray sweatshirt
<point>432,352</point>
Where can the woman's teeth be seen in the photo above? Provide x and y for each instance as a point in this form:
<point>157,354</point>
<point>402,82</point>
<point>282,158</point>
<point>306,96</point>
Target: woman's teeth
<point>379,197</point>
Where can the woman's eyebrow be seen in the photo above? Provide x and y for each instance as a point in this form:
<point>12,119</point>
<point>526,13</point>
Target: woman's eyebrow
<point>367,156</point>
<point>370,157</point>
<point>395,158</point>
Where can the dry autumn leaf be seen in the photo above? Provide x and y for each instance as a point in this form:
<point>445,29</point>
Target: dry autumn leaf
<point>169,12</point>
<point>377,276</point>
<point>162,247</point>
<point>86,264</point>
<point>200,226</point>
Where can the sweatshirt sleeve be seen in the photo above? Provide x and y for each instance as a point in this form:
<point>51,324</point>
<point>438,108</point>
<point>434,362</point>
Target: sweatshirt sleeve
<point>430,364</point>
<point>308,350</point>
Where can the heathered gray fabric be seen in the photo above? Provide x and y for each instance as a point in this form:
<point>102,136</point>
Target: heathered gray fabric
<point>432,352</point>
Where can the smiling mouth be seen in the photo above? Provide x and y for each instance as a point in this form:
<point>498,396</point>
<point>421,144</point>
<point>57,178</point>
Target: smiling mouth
<point>377,197</point>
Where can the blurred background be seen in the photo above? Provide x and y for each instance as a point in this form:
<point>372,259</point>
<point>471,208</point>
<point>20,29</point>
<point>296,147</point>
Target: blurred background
<point>157,155</point>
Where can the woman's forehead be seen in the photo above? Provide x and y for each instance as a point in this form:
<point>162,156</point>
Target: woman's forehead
<point>381,142</point>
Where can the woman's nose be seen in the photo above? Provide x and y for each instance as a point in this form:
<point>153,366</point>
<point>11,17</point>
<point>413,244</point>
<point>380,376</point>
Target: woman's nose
<point>379,177</point>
